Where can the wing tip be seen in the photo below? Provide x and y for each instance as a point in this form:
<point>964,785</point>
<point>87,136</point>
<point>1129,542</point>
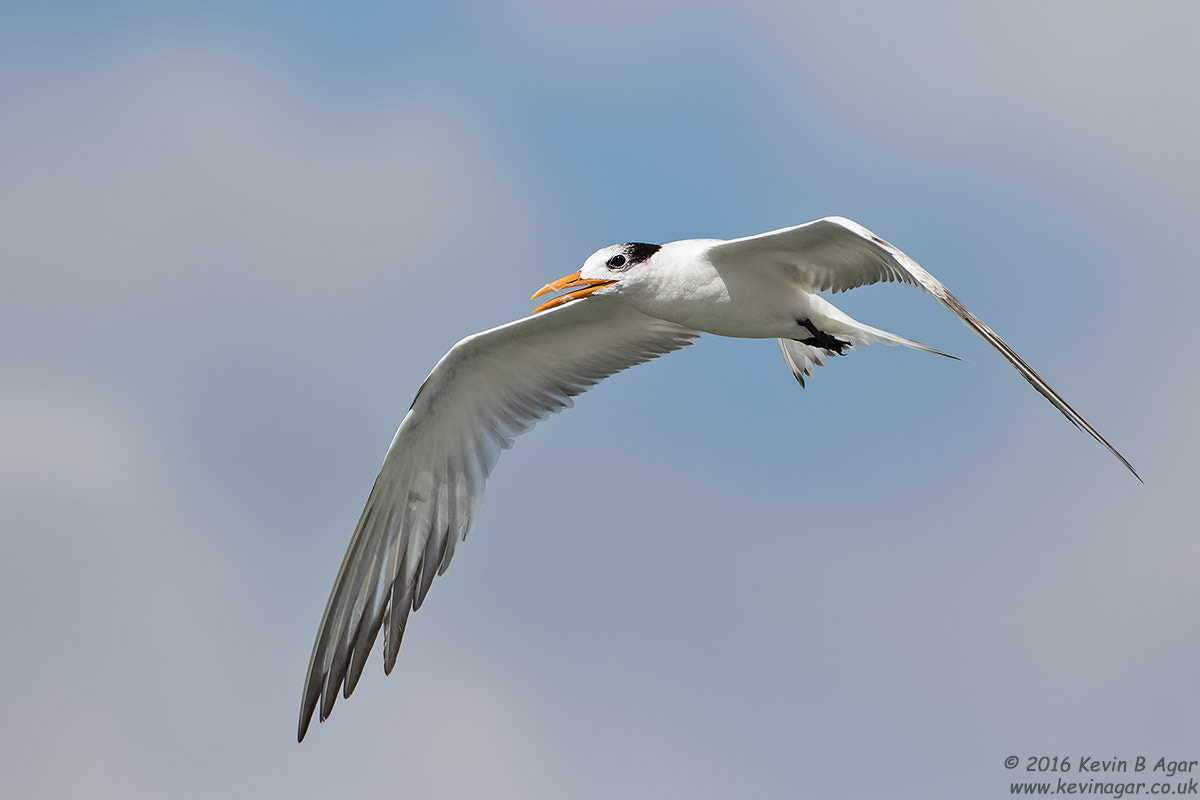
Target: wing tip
<point>306,714</point>
<point>1128,466</point>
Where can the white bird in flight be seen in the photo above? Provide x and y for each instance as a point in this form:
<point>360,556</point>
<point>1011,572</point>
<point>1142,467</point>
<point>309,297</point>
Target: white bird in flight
<point>628,304</point>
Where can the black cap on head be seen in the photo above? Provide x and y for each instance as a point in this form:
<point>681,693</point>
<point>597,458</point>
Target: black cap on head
<point>637,252</point>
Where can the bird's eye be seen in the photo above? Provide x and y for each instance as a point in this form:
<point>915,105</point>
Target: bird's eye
<point>616,262</point>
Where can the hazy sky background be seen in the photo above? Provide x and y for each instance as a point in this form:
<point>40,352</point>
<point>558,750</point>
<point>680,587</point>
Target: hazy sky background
<point>233,242</point>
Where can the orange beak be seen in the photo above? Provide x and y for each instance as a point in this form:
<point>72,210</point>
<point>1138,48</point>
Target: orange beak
<point>582,286</point>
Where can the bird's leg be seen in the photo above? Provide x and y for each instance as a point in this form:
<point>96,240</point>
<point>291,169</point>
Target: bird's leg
<point>821,339</point>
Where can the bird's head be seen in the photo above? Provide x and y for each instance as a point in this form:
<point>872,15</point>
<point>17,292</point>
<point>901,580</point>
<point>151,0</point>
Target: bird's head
<point>610,270</point>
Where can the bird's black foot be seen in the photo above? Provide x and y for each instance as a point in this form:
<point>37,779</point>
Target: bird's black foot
<point>821,339</point>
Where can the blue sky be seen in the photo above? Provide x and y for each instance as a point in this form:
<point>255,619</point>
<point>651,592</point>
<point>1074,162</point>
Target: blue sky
<point>236,240</point>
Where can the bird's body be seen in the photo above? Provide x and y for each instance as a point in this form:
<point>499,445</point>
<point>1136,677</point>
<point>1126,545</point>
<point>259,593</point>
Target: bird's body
<point>689,287</point>
<point>629,303</point>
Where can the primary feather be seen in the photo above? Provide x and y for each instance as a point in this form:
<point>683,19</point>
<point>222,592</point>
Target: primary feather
<point>489,389</point>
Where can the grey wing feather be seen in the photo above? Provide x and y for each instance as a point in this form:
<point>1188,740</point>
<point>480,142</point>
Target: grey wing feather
<point>833,254</point>
<point>489,389</point>
<point>836,254</point>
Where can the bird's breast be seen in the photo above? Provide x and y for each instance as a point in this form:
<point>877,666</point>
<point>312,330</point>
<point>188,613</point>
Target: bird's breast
<point>740,303</point>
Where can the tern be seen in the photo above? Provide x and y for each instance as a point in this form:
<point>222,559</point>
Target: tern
<point>629,303</point>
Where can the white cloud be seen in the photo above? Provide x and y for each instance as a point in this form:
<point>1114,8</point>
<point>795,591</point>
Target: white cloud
<point>1101,86</point>
<point>182,185</point>
<point>184,226</point>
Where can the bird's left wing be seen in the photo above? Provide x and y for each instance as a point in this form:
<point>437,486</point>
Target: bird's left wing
<point>829,255</point>
<point>490,388</point>
<point>835,254</point>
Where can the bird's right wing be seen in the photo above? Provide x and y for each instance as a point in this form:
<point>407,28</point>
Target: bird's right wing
<point>490,388</point>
